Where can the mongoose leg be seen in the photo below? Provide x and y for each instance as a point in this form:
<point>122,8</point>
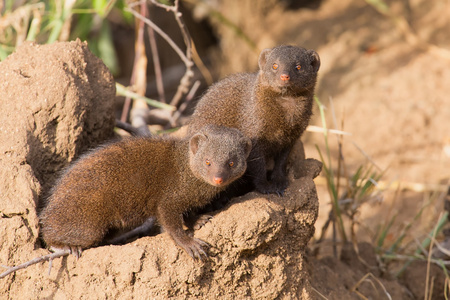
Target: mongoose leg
<point>173,223</point>
<point>256,167</point>
<point>140,230</point>
<point>278,177</point>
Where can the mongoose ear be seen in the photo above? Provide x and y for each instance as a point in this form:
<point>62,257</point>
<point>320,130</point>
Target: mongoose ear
<point>315,60</point>
<point>194,142</point>
<point>248,146</point>
<point>263,57</point>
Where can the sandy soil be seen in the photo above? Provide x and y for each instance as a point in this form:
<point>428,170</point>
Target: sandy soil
<point>64,96</point>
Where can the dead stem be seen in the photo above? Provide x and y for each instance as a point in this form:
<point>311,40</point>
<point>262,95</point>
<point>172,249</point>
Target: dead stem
<point>185,81</point>
<point>428,288</point>
<point>156,64</point>
<point>48,257</point>
<point>364,278</point>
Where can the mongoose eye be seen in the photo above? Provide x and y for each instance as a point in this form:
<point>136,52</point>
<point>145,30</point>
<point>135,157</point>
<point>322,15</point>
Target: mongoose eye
<point>231,163</point>
<point>298,67</point>
<point>207,162</point>
<point>274,66</point>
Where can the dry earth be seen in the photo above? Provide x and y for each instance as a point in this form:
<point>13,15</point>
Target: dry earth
<point>64,98</point>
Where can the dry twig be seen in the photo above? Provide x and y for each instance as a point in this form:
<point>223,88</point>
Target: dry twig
<point>365,278</point>
<point>140,110</point>
<point>156,65</point>
<point>48,257</point>
<point>184,105</point>
<point>185,81</point>
<point>186,57</point>
<point>428,286</point>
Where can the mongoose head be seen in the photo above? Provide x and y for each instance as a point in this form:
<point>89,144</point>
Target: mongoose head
<point>218,155</point>
<point>289,69</point>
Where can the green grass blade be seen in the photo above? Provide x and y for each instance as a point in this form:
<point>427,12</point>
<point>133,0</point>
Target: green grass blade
<point>330,174</point>
<point>442,221</point>
<point>385,232</point>
<point>123,91</point>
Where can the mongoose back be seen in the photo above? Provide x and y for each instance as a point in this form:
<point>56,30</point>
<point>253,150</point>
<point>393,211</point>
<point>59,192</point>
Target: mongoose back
<point>122,184</point>
<point>272,107</point>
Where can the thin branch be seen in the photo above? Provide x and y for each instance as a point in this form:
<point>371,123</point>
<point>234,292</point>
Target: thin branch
<point>408,258</point>
<point>367,156</point>
<point>192,92</point>
<point>156,64</point>
<point>48,257</point>
<point>163,35</point>
<point>140,110</point>
<point>441,248</point>
<point>124,91</point>
<point>319,293</point>
<point>428,289</point>
<point>183,106</point>
<point>127,103</point>
<point>201,66</point>
<point>365,278</point>
<point>185,81</point>
<point>166,7</point>
<point>313,128</point>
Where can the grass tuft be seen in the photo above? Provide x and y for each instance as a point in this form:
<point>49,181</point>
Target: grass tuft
<point>347,192</point>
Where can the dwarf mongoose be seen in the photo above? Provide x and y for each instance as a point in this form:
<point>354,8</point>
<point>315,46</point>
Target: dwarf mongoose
<point>272,107</point>
<point>122,184</point>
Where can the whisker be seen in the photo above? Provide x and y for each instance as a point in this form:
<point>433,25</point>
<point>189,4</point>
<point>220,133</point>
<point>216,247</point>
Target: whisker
<point>255,159</point>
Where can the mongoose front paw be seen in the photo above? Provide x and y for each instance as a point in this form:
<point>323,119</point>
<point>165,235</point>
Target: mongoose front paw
<point>272,187</point>
<point>201,221</point>
<point>281,186</point>
<point>194,247</point>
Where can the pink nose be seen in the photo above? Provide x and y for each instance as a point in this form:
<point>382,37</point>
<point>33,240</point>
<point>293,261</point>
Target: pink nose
<point>284,77</point>
<point>218,180</point>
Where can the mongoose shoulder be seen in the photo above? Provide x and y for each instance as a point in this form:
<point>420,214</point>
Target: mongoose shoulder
<point>272,107</point>
<point>122,184</point>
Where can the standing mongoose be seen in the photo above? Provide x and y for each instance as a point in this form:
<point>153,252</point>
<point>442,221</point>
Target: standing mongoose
<point>122,184</point>
<point>272,107</point>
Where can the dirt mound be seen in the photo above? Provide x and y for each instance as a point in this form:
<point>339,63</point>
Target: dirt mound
<point>57,101</point>
<point>257,251</point>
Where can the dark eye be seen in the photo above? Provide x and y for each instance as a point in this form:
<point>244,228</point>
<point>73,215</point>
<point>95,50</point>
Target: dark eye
<point>298,67</point>
<point>207,162</point>
<point>274,66</point>
<point>231,163</point>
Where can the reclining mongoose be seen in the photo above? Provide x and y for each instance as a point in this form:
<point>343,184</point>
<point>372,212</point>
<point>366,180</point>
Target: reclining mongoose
<point>121,184</point>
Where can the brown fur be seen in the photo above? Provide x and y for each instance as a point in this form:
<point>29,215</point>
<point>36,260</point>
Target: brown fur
<point>120,185</point>
<point>271,111</point>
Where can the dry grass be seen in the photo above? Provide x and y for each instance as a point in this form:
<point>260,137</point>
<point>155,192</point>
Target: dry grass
<point>397,244</point>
